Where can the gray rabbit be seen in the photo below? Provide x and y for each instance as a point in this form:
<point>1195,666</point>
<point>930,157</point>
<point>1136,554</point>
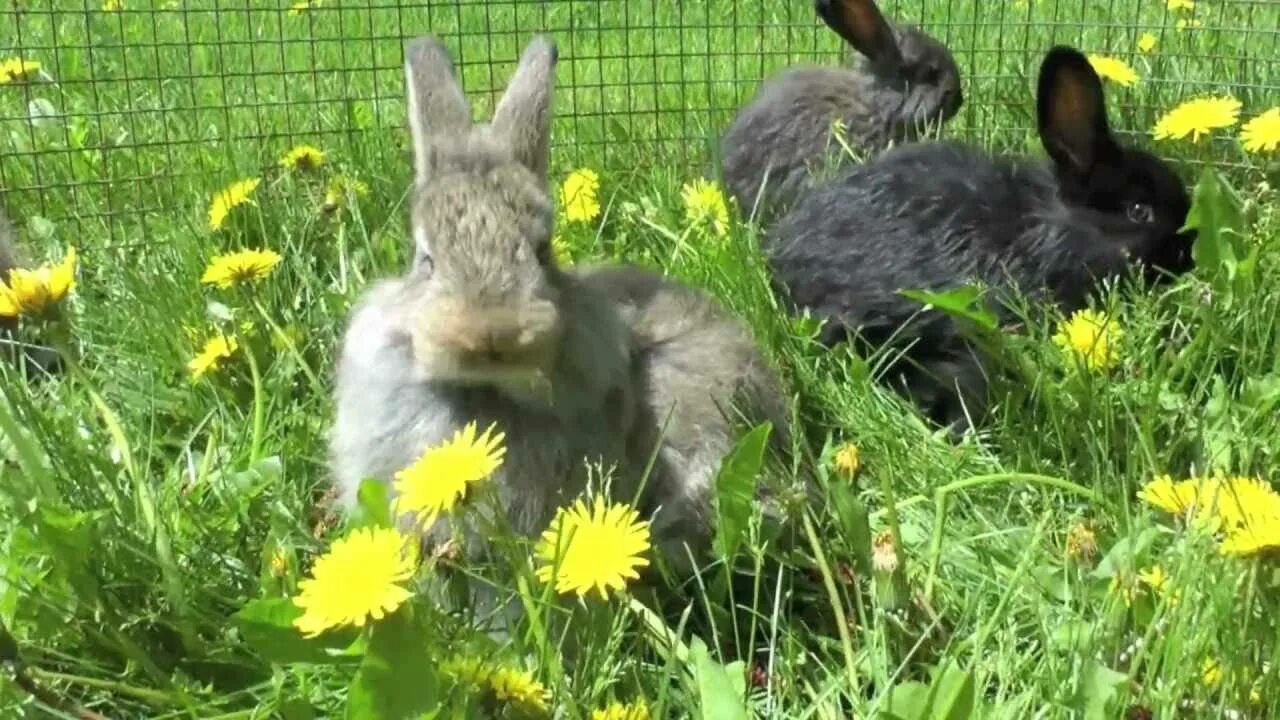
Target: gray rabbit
<point>572,365</point>
<point>902,81</point>
<point>936,215</point>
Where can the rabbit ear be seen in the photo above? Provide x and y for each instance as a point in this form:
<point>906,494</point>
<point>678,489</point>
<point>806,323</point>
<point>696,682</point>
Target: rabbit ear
<point>437,106</point>
<point>1072,112</point>
<point>523,115</point>
<point>862,25</point>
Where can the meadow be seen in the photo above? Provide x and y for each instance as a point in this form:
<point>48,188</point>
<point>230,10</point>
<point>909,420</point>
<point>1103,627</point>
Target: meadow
<point>163,498</point>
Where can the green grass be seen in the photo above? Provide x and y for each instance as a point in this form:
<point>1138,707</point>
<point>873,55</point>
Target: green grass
<point>140,511</point>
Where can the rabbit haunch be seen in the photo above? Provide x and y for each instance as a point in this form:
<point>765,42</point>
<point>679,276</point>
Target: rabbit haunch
<point>576,367</point>
<point>901,82</point>
<point>937,215</point>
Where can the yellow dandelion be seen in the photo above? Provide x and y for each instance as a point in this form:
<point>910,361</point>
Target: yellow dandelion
<point>704,203</point>
<point>240,267</point>
<point>619,711</point>
<point>1198,117</point>
<point>438,480</point>
<point>1092,336</point>
<point>1114,69</point>
<point>518,687</point>
<point>1211,672</point>
<point>112,5</point>
<point>357,580</point>
<point>1234,497</point>
<point>224,201</point>
<point>1258,532</point>
<point>1082,543</point>
<point>1262,134</point>
<point>1172,497</point>
<point>470,670</point>
<point>302,157</point>
<point>578,195</point>
<point>35,293</point>
<point>848,460</point>
<point>340,188</point>
<point>600,546</point>
<point>210,357</point>
<point>1147,42</point>
<point>1180,4</point>
<point>1185,24</point>
<point>1154,577</point>
<point>15,70</point>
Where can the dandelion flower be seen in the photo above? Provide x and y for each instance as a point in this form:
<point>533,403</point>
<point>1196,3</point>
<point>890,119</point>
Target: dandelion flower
<point>1146,43</point>
<point>224,201</point>
<point>1092,336</point>
<point>519,688</point>
<point>302,157</point>
<point>618,711</point>
<point>359,579</point>
<point>438,480</point>
<point>1154,577</point>
<point>1198,117</point>
<point>1114,69</point>
<point>600,547</point>
<point>1185,24</point>
<point>1172,497</point>
<point>341,187</point>
<point>1180,4</point>
<point>15,70</point>
<point>112,5</point>
<point>1082,543</point>
<point>1258,532</point>
<point>578,195</point>
<point>884,553</point>
<point>1262,134</point>
<point>240,267</point>
<point>703,202</point>
<point>1211,672</point>
<point>216,349</point>
<point>36,292</point>
<point>848,459</point>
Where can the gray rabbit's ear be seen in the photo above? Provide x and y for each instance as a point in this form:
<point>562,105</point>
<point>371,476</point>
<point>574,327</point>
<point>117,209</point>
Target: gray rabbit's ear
<point>437,106</point>
<point>863,26</point>
<point>1071,112</point>
<point>523,116</point>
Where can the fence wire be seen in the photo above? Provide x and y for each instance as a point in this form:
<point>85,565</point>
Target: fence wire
<point>137,109</point>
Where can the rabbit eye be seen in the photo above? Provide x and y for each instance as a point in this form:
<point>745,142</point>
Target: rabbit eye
<point>1140,213</point>
<point>422,263</point>
<point>930,75</point>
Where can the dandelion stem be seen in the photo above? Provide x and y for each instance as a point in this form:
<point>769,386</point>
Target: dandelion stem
<point>942,495</point>
<point>837,606</point>
<point>279,332</point>
<point>255,446</point>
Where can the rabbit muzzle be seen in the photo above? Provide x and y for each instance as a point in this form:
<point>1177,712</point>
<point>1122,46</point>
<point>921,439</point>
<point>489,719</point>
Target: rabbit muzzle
<point>501,346</point>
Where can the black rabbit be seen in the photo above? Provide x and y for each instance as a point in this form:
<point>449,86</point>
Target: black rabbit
<point>899,82</point>
<point>935,215</point>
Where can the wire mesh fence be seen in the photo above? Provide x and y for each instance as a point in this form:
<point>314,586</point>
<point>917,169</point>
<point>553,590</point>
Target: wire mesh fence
<point>126,114</point>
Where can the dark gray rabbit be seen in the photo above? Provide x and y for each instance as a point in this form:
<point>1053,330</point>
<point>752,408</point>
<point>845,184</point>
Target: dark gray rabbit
<point>572,365</point>
<point>934,215</point>
<point>902,81</point>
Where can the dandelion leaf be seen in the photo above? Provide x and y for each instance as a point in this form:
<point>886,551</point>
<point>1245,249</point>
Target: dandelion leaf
<point>962,302</point>
<point>735,488</point>
<point>266,625</point>
<point>395,679</point>
<point>720,688</point>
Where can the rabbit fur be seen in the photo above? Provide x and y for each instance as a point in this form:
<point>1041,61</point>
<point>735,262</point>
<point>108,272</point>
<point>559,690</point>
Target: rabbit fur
<point>935,215</point>
<point>484,327</point>
<point>901,81</point>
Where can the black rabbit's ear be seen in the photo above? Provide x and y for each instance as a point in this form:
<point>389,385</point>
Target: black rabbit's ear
<point>1072,112</point>
<point>861,25</point>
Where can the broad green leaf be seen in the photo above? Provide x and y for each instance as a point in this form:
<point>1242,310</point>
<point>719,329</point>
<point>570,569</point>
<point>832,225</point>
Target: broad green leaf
<point>854,523</point>
<point>1217,216</point>
<point>736,488</point>
<point>266,625</point>
<point>953,695</point>
<point>717,697</point>
<point>906,701</point>
<point>1099,684</point>
<point>374,506</point>
<point>962,302</point>
<point>1123,554</point>
<point>396,679</point>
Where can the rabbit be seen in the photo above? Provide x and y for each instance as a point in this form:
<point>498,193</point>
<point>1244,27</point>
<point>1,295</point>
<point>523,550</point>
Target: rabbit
<point>485,327</point>
<point>903,81</point>
<point>699,374</point>
<point>936,214</point>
